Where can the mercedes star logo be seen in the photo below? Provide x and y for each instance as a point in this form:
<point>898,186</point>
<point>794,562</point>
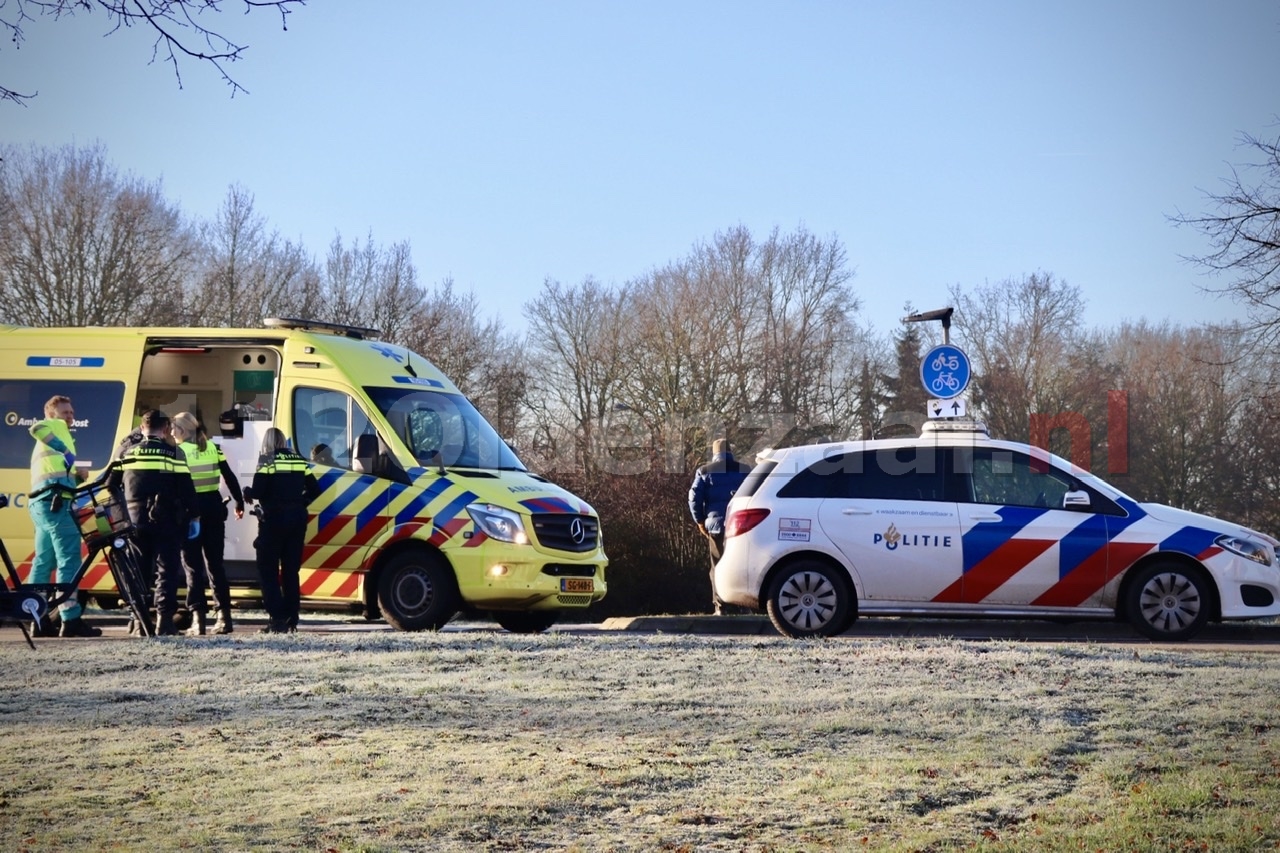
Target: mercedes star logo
<point>577,532</point>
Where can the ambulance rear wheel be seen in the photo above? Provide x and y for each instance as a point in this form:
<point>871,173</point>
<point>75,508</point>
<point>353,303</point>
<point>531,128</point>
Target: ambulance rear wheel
<point>525,621</point>
<point>416,592</point>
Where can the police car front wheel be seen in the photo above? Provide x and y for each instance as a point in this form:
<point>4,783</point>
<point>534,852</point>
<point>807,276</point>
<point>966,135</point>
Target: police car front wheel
<point>1168,601</point>
<point>811,599</point>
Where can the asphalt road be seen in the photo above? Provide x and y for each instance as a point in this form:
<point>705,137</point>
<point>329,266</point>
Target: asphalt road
<point>1242,636</point>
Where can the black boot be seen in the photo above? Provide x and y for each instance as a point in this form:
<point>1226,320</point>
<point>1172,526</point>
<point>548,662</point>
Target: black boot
<point>199,624</point>
<point>77,627</point>
<point>165,626</point>
<point>222,625</point>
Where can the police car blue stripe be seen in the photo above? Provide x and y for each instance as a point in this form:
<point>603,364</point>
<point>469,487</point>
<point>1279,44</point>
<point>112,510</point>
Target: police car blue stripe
<point>1081,543</point>
<point>982,540</point>
<point>1189,540</point>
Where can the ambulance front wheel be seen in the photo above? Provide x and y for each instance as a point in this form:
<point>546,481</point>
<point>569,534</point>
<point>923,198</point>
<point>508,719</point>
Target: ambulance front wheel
<point>416,592</point>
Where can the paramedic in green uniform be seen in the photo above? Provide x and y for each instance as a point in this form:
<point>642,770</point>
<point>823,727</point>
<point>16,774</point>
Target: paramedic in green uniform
<point>54,477</point>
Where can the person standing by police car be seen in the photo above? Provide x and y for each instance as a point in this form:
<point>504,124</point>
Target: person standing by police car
<point>202,558</point>
<point>282,487</point>
<point>54,477</point>
<point>162,506</point>
<point>713,486</point>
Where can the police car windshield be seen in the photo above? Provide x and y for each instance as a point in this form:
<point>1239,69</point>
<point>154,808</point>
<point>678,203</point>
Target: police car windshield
<point>443,429</point>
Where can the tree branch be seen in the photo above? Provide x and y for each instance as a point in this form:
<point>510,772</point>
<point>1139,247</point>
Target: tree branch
<point>179,30</point>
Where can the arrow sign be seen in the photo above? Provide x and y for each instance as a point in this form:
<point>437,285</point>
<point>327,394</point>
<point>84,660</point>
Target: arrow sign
<point>953,408</point>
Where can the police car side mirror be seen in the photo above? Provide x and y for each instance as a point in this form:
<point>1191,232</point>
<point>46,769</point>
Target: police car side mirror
<point>1076,500</point>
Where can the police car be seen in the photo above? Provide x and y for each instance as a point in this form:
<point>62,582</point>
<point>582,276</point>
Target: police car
<point>954,523</point>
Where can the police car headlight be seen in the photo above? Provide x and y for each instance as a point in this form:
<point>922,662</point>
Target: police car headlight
<point>1247,547</point>
<point>499,523</point>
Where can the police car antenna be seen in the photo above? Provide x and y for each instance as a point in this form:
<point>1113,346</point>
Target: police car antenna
<point>943,314</point>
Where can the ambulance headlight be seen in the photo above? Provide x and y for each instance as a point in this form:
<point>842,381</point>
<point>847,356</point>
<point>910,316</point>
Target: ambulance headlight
<point>499,523</point>
<point>1247,547</point>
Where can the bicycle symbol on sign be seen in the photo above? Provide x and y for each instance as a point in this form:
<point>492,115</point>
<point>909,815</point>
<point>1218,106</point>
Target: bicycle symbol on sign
<point>944,382</point>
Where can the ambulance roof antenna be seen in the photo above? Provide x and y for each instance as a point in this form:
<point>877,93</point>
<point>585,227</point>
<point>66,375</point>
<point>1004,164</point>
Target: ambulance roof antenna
<point>943,314</point>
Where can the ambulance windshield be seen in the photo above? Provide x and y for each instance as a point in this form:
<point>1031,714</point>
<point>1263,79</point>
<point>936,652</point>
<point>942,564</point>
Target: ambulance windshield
<point>443,429</point>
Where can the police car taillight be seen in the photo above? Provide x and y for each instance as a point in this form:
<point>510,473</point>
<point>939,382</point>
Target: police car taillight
<point>743,520</point>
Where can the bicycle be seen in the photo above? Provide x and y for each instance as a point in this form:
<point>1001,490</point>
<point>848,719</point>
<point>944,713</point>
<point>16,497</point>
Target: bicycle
<point>103,519</point>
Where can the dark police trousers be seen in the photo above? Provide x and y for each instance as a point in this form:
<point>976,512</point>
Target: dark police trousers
<point>202,557</point>
<point>161,546</point>
<point>279,549</point>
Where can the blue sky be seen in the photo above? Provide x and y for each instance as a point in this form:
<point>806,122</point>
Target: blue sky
<point>942,142</point>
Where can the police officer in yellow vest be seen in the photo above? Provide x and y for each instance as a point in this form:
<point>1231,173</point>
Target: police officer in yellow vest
<point>162,506</point>
<point>202,558</point>
<point>53,481</point>
<point>282,486</point>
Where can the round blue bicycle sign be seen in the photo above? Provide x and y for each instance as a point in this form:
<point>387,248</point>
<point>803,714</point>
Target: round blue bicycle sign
<point>944,372</point>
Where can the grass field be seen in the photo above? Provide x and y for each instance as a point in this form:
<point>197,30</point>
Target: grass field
<point>482,740</point>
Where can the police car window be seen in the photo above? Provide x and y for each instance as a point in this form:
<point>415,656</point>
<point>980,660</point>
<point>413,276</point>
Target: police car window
<point>905,473</point>
<point>1015,479</point>
<point>755,479</point>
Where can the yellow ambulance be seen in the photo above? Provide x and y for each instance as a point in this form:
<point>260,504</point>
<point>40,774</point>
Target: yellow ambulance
<point>424,511</point>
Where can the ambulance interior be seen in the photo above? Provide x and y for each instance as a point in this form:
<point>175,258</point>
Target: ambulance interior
<point>231,390</point>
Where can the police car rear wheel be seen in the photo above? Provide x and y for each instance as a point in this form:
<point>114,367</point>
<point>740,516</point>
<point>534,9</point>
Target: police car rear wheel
<point>811,599</point>
<point>416,592</point>
<point>1169,601</point>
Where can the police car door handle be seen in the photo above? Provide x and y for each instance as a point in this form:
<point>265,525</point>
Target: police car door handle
<point>986,517</point>
<point>855,510</point>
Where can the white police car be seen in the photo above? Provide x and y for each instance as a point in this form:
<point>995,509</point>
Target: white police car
<point>954,523</point>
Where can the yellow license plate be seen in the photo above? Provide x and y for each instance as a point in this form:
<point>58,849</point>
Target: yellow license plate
<point>577,585</point>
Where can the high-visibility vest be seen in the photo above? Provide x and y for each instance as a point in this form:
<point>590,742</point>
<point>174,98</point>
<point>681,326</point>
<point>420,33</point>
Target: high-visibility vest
<point>47,463</point>
<point>205,466</point>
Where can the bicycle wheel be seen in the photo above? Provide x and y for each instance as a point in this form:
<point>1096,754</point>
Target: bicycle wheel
<point>132,583</point>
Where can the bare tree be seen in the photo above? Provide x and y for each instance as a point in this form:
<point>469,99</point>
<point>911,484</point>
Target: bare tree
<point>1244,230</point>
<point>1186,400</point>
<point>179,27</point>
<point>82,245</point>
<point>1031,353</point>
<point>582,360</point>
<point>809,320</point>
<point>248,272</point>
<point>371,285</point>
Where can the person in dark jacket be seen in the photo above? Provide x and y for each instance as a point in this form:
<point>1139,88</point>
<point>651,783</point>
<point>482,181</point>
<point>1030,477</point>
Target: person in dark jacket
<point>162,506</point>
<point>202,558</point>
<point>282,487</point>
<point>713,486</point>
